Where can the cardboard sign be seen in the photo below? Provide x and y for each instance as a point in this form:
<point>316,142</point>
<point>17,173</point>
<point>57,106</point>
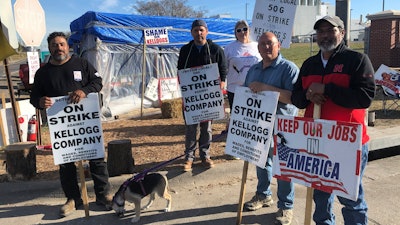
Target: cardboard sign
<point>152,89</point>
<point>276,17</point>
<point>202,96</point>
<point>251,125</point>
<point>156,36</point>
<point>389,79</point>
<point>168,88</point>
<point>322,154</point>
<point>75,129</point>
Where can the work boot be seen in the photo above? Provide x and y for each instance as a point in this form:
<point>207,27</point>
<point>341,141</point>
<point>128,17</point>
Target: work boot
<point>207,163</point>
<point>70,206</point>
<point>284,217</point>
<point>188,166</point>
<point>105,200</point>
<point>257,202</point>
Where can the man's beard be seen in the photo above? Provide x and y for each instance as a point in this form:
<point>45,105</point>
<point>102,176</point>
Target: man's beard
<point>327,46</point>
<point>60,58</point>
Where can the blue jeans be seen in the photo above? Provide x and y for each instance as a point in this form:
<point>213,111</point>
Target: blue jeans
<point>354,212</point>
<point>285,188</point>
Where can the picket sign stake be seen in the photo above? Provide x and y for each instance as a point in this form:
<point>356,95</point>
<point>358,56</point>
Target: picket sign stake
<point>242,191</point>
<point>309,198</point>
<point>84,189</point>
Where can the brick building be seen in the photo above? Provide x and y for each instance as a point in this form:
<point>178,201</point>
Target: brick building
<point>384,38</point>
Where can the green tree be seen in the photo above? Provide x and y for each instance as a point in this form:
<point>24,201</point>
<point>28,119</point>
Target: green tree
<point>174,8</point>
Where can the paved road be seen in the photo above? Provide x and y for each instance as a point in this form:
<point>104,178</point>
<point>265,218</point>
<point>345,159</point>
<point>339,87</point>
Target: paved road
<point>203,197</point>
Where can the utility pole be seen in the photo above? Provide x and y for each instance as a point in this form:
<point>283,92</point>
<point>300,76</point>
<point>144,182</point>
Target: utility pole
<point>343,11</point>
<point>246,10</point>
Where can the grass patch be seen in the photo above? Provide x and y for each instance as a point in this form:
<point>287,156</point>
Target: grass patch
<point>299,52</point>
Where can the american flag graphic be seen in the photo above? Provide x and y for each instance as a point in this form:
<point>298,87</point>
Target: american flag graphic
<point>284,151</point>
<point>315,181</point>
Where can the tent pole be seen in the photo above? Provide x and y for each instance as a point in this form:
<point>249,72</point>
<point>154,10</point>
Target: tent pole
<point>143,74</point>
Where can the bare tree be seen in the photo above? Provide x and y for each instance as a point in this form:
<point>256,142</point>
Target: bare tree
<point>174,8</point>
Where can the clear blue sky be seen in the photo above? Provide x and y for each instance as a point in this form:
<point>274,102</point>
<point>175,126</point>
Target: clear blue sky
<point>59,14</point>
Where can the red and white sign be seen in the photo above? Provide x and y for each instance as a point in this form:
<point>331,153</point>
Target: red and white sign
<point>389,79</point>
<point>251,125</point>
<point>75,129</point>
<point>156,36</point>
<point>201,91</point>
<point>30,21</point>
<point>322,154</point>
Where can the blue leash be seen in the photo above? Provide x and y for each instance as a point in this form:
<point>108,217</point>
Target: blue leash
<point>141,175</point>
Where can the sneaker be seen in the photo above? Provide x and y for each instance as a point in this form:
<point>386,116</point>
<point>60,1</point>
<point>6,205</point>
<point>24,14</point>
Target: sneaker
<point>284,216</point>
<point>105,200</point>
<point>257,202</point>
<point>188,166</point>
<point>70,206</point>
<point>207,163</point>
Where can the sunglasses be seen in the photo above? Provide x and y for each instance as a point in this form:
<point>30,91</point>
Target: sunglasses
<point>242,29</point>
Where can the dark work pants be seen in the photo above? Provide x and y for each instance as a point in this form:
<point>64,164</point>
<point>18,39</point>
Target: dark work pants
<point>69,180</point>
<point>231,96</point>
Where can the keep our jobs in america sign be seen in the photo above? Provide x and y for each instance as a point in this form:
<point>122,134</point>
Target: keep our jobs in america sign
<point>251,125</point>
<point>201,94</point>
<point>75,129</point>
<point>276,17</point>
<point>322,154</point>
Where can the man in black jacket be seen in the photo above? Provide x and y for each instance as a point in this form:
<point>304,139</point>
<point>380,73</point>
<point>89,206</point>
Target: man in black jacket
<point>198,52</point>
<point>341,82</point>
<point>65,75</point>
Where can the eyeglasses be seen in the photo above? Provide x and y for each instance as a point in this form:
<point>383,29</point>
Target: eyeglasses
<point>244,29</point>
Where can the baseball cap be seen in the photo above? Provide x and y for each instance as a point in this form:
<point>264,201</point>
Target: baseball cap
<point>197,23</point>
<point>333,20</point>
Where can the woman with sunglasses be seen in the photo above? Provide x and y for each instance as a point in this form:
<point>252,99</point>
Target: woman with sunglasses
<point>240,55</point>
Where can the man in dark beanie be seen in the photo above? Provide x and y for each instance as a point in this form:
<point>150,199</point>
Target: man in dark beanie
<point>198,52</point>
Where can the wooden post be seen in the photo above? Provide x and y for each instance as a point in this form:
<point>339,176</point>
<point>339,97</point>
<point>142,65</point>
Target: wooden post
<point>143,75</point>
<point>83,188</point>
<point>309,197</point>
<point>2,128</point>
<point>12,98</point>
<point>39,127</point>
<point>242,191</point>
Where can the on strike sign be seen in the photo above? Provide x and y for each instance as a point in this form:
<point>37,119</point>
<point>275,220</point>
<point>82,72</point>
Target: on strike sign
<point>322,154</point>
<point>251,125</point>
<point>202,96</point>
<point>75,129</point>
<point>276,17</point>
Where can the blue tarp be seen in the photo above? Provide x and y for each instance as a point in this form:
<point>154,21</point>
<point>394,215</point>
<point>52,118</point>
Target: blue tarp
<point>128,29</point>
<point>113,43</point>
